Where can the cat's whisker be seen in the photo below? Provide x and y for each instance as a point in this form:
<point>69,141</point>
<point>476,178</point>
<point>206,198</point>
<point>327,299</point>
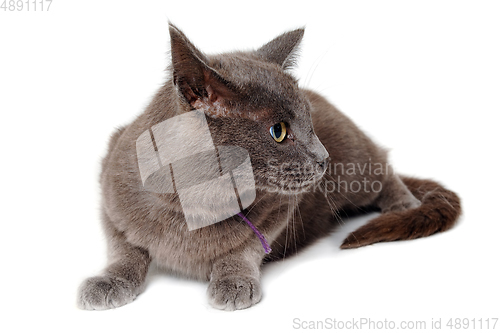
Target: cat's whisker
<point>340,192</point>
<point>315,66</point>
<point>334,210</point>
<point>256,203</point>
<point>300,215</point>
<point>286,231</point>
<point>338,218</point>
<point>294,227</point>
<point>336,214</point>
<point>279,211</point>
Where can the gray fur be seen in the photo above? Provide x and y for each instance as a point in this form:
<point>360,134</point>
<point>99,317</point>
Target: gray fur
<point>242,94</point>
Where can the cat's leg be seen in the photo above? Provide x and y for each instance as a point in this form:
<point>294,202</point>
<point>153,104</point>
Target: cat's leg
<point>395,196</point>
<point>123,278</point>
<point>235,280</point>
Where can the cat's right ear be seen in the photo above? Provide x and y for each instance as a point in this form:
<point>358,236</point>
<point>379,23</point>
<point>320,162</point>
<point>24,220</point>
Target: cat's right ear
<point>197,82</point>
<point>283,49</point>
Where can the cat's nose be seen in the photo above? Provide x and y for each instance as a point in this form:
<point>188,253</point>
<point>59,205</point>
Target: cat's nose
<point>322,165</point>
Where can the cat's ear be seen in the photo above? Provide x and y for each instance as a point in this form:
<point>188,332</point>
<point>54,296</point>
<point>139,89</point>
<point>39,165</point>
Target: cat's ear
<point>198,83</point>
<point>283,49</point>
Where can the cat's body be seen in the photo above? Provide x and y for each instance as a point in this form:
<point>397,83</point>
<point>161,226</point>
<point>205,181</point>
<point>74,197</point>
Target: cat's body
<point>250,92</point>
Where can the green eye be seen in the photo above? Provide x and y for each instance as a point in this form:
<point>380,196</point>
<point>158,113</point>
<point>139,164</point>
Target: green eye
<point>278,132</point>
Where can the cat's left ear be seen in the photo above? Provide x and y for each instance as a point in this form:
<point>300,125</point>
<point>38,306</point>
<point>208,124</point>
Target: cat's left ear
<point>199,84</point>
<point>283,49</point>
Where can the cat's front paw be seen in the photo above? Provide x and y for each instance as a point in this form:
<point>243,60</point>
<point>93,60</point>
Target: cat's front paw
<point>234,292</point>
<point>103,292</point>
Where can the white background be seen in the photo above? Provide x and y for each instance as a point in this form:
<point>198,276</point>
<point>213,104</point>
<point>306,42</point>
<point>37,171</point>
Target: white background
<point>422,78</point>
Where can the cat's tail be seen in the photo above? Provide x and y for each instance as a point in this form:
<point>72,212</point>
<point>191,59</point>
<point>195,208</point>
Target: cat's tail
<point>439,211</point>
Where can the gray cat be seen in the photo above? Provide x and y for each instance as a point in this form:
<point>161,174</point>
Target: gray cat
<point>306,156</point>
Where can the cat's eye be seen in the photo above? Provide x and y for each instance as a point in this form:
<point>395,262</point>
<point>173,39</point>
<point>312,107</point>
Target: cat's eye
<point>278,132</point>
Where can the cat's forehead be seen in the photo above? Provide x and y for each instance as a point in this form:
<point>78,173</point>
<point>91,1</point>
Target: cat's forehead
<point>245,68</point>
<point>264,85</point>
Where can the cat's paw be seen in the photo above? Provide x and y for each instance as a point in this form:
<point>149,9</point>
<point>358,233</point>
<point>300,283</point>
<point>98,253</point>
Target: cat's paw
<point>234,292</point>
<point>402,205</point>
<point>104,292</point>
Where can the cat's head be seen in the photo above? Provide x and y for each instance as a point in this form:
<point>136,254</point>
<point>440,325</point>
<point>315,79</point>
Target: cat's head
<point>252,101</point>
